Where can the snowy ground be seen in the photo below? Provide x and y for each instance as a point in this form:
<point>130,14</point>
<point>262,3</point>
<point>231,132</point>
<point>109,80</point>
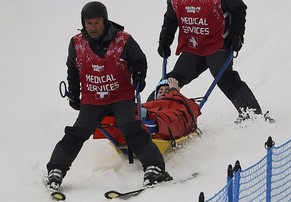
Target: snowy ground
<point>34,37</point>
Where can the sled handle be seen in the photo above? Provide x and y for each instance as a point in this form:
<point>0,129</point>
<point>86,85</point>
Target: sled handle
<point>64,92</point>
<point>138,100</point>
<point>218,76</point>
<point>164,73</point>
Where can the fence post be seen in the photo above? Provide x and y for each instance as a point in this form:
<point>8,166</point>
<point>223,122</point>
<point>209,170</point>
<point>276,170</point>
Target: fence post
<point>236,169</point>
<point>230,182</point>
<point>201,197</point>
<point>269,146</point>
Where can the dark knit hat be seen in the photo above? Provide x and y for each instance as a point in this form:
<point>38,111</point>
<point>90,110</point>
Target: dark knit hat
<point>92,10</point>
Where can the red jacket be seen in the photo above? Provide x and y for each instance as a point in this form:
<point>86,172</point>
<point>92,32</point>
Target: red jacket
<point>175,114</point>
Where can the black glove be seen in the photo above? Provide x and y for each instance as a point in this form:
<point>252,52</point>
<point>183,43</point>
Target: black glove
<point>164,49</point>
<point>138,79</point>
<point>74,100</point>
<point>236,42</point>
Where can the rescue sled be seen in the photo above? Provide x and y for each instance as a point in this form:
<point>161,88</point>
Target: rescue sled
<point>171,122</point>
<point>108,130</point>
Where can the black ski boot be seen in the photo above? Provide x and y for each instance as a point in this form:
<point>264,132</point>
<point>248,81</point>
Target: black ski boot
<point>154,175</point>
<point>54,179</point>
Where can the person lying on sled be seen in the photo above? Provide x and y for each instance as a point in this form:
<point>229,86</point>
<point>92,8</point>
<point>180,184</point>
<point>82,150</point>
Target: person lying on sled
<point>170,116</point>
<point>164,87</point>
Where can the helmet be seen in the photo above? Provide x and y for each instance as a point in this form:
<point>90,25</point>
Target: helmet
<point>163,82</point>
<point>92,10</point>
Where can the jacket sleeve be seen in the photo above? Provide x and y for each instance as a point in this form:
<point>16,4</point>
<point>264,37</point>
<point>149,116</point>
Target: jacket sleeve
<point>169,26</point>
<point>136,59</point>
<point>237,10</point>
<point>72,71</point>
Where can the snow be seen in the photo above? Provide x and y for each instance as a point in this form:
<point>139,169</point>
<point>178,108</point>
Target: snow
<point>34,38</point>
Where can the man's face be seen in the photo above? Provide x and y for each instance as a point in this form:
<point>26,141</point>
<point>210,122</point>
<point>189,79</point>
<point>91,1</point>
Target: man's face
<point>163,91</point>
<point>94,27</point>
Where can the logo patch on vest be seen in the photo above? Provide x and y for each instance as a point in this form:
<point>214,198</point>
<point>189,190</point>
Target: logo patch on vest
<point>192,9</point>
<point>102,95</point>
<point>193,42</point>
<point>98,68</point>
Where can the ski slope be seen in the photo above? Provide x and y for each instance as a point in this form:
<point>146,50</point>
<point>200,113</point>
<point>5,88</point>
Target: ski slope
<point>34,38</point>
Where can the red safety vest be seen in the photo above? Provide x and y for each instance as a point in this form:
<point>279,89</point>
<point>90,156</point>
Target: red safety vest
<point>201,26</point>
<point>103,80</point>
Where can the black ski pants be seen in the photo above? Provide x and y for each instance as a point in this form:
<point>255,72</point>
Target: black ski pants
<point>190,66</point>
<point>90,117</point>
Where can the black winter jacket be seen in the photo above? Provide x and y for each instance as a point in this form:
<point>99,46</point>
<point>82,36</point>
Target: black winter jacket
<point>136,59</point>
<point>235,8</point>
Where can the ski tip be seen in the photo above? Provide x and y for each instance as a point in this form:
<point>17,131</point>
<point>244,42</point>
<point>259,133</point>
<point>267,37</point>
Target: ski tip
<point>58,196</point>
<point>112,194</point>
<point>194,174</point>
